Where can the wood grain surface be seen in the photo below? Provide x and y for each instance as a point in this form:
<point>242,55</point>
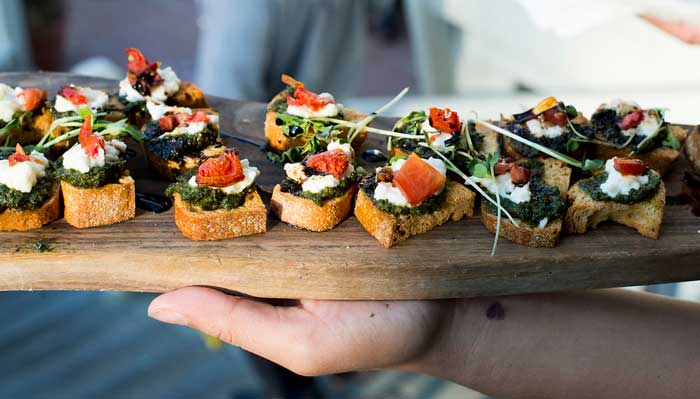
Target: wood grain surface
<point>149,253</point>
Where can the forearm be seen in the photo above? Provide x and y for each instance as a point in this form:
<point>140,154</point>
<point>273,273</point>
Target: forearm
<point>605,343</point>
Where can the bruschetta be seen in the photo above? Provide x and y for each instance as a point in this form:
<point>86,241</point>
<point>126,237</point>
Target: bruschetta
<point>408,197</point>
<point>147,80</point>
<point>219,200</point>
<point>96,185</point>
<point>318,192</point>
<point>179,139</point>
<point>626,192</point>
<point>20,115</point>
<point>296,115</point>
<point>29,196</point>
<point>622,129</point>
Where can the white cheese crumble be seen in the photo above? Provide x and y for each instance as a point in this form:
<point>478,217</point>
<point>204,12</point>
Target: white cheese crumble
<point>189,129</point>
<point>649,125</point>
<point>619,184</point>
<point>346,148</point>
<point>9,103</point>
<point>158,110</point>
<point>249,173</point>
<point>24,175</point>
<point>170,85</point>
<point>437,138</point>
<point>538,130</point>
<point>503,185</point>
<point>328,111</point>
<point>96,100</point>
<point>76,158</point>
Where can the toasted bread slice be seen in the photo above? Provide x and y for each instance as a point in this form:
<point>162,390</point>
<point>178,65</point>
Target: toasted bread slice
<point>12,219</point>
<point>659,159</point>
<point>390,229</point>
<point>692,149</point>
<point>91,207</point>
<point>584,212</point>
<point>190,96</point>
<point>276,140</point>
<point>556,174</point>
<point>305,214</point>
<point>197,224</point>
<point>170,169</point>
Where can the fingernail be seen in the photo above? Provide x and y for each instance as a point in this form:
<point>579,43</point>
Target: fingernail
<point>168,316</point>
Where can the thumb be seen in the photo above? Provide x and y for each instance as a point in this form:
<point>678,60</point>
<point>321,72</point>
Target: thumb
<point>257,327</point>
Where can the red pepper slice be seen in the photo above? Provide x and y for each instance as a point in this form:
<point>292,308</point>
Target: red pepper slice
<point>90,142</point>
<point>220,172</point>
<point>331,162</point>
<point>632,120</point>
<point>445,120</point>
<point>73,95</point>
<point>629,166</point>
<point>309,99</point>
<point>417,180</point>
<point>32,99</point>
<point>18,156</point>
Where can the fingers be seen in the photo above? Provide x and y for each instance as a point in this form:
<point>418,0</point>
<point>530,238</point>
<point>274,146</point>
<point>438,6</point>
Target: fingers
<point>681,30</point>
<point>261,328</point>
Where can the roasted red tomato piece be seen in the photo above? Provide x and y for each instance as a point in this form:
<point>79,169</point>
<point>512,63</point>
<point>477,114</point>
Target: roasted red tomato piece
<point>632,120</point>
<point>90,142</point>
<point>73,95</point>
<point>32,99</point>
<point>309,99</point>
<point>445,120</point>
<point>629,166</point>
<point>167,123</point>
<point>331,162</point>
<point>18,156</point>
<point>220,172</point>
<point>199,116</point>
<point>502,166</point>
<point>417,180</point>
<point>554,116</point>
<point>138,64</point>
<point>518,174</point>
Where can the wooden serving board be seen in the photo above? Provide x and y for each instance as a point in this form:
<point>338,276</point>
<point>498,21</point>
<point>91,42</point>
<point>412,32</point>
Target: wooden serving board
<point>149,253</point>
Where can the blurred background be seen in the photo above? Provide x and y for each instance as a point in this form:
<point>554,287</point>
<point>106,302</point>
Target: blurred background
<point>493,57</point>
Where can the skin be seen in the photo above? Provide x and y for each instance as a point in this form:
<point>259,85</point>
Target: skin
<point>604,343</point>
<point>686,32</point>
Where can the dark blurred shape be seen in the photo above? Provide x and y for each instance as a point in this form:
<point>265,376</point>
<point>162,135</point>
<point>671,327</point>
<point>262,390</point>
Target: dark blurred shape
<point>45,23</point>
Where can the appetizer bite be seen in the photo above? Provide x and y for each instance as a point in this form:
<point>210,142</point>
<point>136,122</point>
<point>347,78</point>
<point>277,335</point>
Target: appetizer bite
<point>178,139</point>
<point>622,128</point>
<point>408,197</point>
<point>300,123</point>
<point>20,111</point>
<point>67,109</point>
<point>29,197</point>
<point>146,80</point>
<point>318,192</point>
<point>445,132</point>
<point>219,200</point>
<point>627,192</point>
<point>97,188</point>
<point>534,193</point>
<point>550,123</point>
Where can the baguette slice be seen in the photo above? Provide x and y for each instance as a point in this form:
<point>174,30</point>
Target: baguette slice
<point>170,169</point>
<point>391,229</point>
<point>12,219</point>
<point>557,174</point>
<point>92,207</point>
<point>197,224</point>
<point>584,212</point>
<point>276,140</point>
<point>190,96</point>
<point>510,151</point>
<point>305,214</point>
<point>659,159</point>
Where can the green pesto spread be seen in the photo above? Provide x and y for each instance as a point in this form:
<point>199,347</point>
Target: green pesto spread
<point>97,176</point>
<point>207,198</point>
<point>643,193</point>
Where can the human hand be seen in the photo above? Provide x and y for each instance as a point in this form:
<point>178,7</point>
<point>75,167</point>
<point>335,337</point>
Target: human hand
<point>313,337</point>
<point>684,31</point>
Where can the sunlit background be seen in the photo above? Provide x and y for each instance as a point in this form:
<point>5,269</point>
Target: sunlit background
<point>490,57</point>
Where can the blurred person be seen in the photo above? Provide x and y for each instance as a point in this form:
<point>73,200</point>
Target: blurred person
<point>544,45</point>
<point>587,344</point>
<point>245,46</point>
<point>15,52</point>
